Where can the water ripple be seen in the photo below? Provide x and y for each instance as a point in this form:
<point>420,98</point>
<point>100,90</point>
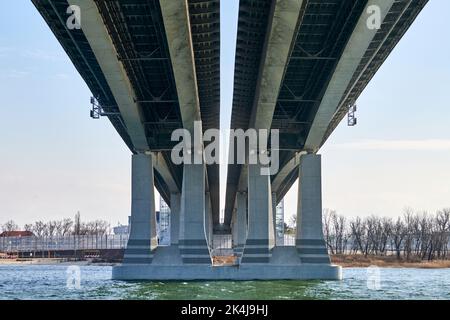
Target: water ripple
<point>49,282</point>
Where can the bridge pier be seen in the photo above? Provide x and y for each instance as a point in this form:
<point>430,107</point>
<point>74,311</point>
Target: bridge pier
<point>260,237</point>
<point>309,240</point>
<point>193,243</point>
<point>260,258</point>
<point>142,240</point>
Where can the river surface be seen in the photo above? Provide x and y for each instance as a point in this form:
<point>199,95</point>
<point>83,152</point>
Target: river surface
<point>59,282</point>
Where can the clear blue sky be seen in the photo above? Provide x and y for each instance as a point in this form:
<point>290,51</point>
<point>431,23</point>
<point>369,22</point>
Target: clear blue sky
<point>55,160</point>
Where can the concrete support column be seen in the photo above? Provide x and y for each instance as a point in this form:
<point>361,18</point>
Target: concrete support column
<point>274,215</point>
<point>175,199</point>
<point>142,238</point>
<point>240,227</point>
<point>192,242</point>
<point>234,235</point>
<point>208,219</point>
<point>310,242</point>
<point>260,237</point>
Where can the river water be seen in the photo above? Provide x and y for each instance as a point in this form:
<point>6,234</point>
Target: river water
<point>59,282</point>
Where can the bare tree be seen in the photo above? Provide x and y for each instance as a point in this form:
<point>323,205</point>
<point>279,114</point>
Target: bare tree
<point>10,226</point>
<point>442,229</point>
<point>359,235</point>
<point>66,226</point>
<point>39,228</point>
<point>96,227</point>
<point>327,216</point>
<point>408,217</point>
<point>398,235</point>
<point>77,224</point>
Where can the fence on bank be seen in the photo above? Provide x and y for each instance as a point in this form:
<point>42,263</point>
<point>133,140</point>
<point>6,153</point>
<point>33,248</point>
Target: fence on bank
<point>72,242</point>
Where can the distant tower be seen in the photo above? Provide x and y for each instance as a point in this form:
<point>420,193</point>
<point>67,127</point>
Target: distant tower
<point>163,225</point>
<point>279,220</point>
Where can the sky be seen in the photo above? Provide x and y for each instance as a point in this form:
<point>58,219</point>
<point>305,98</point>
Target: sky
<point>55,160</point>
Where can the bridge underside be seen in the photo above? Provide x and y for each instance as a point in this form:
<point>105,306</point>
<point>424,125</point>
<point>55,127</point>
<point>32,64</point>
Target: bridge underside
<point>154,66</point>
<point>137,31</point>
<point>324,34</point>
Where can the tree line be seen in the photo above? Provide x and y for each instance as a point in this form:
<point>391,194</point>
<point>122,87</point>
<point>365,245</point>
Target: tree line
<point>414,235</point>
<point>61,228</point>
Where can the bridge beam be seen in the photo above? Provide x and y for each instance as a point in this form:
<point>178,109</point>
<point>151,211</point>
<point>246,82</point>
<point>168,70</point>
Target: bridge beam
<point>179,38</point>
<point>160,165</point>
<point>275,58</point>
<point>285,15</point>
<point>354,51</point>
<point>178,32</point>
<point>103,47</point>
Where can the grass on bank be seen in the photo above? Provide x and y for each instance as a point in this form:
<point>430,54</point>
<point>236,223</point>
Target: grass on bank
<point>361,261</point>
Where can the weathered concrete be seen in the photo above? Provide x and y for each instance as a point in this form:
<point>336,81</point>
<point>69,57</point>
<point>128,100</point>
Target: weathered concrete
<point>160,165</point>
<point>242,272</point>
<point>240,226</point>
<point>285,171</point>
<point>287,256</point>
<point>208,219</point>
<point>178,32</point>
<point>142,240</point>
<point>309,241</point>
<point>167,256</point>
<point>192,243</point>
<point>260,237</point>
<point>275,58</point>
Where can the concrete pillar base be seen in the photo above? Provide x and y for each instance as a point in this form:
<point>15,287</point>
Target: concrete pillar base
<point>236,273</point>
<point>312,251</point>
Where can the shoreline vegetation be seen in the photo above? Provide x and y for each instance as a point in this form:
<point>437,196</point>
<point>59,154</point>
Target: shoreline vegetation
<point>54,261</point>
<point>361,261</point>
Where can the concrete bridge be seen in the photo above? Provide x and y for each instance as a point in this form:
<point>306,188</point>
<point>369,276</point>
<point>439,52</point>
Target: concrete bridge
<point>154,66</point>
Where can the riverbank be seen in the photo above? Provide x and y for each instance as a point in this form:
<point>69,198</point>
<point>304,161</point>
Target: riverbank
<point>346,261</point>
<point>56,261</point>
<point>360,261</point>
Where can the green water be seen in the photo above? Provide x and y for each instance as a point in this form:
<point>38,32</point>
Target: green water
<point>50,282</point>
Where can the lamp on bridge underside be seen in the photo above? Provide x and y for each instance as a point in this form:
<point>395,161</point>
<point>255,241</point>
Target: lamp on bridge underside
<point>352,120</point>
<point>97,110</point>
